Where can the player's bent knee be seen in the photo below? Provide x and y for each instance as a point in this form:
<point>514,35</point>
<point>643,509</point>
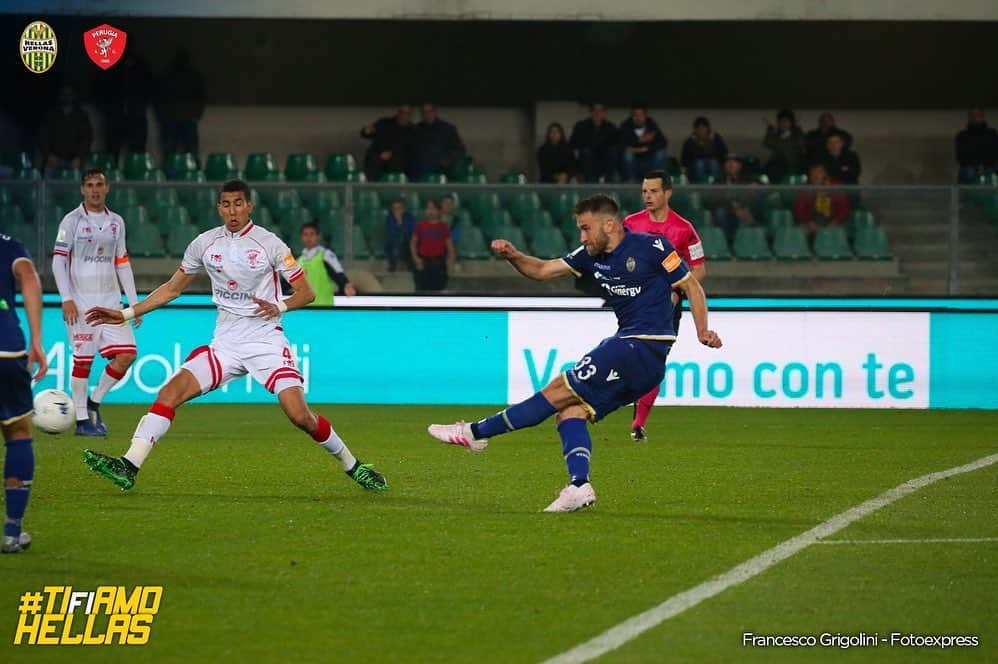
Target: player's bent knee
<point>123,360</point>
<point>572,413</point>
<point>182,387</point>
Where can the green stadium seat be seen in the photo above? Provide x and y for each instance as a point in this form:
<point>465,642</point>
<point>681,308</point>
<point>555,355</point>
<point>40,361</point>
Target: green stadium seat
<point>25,195</point>
<point>339,167</point>
<point>860,218</point>
<point>17,161</point>
<point>206,219</point>
<point>144,239</point>
<point>261,217</point>
<point>119,198</point>
<point>513,178</point>
<point>548,242</point>
<point>332,224</point>
<point>203,198</point>
<point>292,219</point>
<point>355,177</point>
<point>319,200</point>
<point>187,194</point>
<point>51,218</point>
<point>536,222</point>
<point>793,180</point>
<point>561,204</point>
<point>433,178</point>
<point>473,178</point>
<point>872,244</point>
<point>28,174</point>
<point>413,203</point>
<point>482,203</point>
<point>471,244</point>
<point>777,218</point>
<point>715,244</point>
<point>375,235</point>
<point>394,177</point>
<point>630,200</point>
<point>831,244</point>
<point>161,197</point>
<point>750,244</point>
<point>281,199</point>
<point>260,166</point>
<point>66,174</point>
<point>368,199</point>
<point>178,237</point>
<point>11,215</point>
<point>360,248</point>
<point>991,208</point>
<point>679,179</point>
<point>154,175</point>
<point>299,166</point>
<point>371,220</point>
<point>790,244</point>
<point>523,205</point>
<point>686,202</point>
<point>175,165</point>
<point>136,214</point>
<point>101,160</point>
<point>514,235</point>
<point>464,167</point>
<point>173,216</point>
<point>494,221</point>
<point>317,176</point>
<point>7,196</point>
<point>137,164</point>
<point>221,166</point>
<point>701,217</point>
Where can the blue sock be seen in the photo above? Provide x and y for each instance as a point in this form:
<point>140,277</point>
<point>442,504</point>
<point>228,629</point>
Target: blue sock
<point>577,447</point>
<point>20,463</point>
<point>525,414</point>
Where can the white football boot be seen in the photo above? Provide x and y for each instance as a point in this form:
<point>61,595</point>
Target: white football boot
<point>458,433</point>
<point>573,498</point>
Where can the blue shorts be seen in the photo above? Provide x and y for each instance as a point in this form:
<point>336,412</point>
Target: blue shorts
<point>15,389</point>
<point>617,372</point>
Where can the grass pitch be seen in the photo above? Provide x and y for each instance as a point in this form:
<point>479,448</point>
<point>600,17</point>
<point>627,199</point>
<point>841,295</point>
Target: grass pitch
<point>267,552</point>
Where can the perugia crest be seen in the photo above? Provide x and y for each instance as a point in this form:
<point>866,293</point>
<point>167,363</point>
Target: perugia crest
<point>105,45</point>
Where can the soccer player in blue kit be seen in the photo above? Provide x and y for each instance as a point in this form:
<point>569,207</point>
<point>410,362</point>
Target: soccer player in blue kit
<point>638,273</point>
<point>15,385</point>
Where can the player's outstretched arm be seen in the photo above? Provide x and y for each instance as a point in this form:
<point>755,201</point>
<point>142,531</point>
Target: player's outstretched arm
<point>698,306</point>
<point>164,294</point>
<point>532,267</point>
<point>31,292</point>
<point>303,296</point>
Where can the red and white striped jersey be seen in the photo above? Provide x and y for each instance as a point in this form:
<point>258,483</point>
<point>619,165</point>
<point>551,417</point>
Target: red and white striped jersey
<point>241,265</point>
<point>94,245</point>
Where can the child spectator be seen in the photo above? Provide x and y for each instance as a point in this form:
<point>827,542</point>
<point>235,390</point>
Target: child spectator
<point>398,229</point>
<point>432,251</point>
<point>555,160</point>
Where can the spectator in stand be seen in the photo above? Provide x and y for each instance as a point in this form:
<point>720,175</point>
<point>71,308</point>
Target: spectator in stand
<point>323,268</point>
<point>976,147</point>
<point>786,142</point>
<point>820,207</point>
<point>555,159</point>
<point>66,133</point>
<point>703,152</point>
<point>180,105</point>
<point>642,145</point>
<point>123,95</point>
<point>735,208</point>
<point>398,229</point>
<point>816,140</point>
<point>432,251</point>
<point>436,144</point>
<point>447,205</point>
<point>595,143</point>
<point>391,138</point>
<point>841,163</point>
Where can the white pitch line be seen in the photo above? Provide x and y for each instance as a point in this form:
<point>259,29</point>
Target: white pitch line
<point>620,634</point>
<point>934,540</point>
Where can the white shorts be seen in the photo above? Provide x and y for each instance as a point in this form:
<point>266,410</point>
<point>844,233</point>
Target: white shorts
<point>266,356</point>
<point>108,340</point>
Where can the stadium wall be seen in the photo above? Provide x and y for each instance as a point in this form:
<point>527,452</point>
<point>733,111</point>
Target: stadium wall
<point>778,353</point>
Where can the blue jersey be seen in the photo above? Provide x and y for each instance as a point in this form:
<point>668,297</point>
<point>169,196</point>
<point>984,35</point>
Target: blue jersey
<point>637,279</point>
<point>11,337</point>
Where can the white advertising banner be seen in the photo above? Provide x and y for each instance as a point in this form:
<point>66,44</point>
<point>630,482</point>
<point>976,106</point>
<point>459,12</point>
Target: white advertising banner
<point>773,359</point>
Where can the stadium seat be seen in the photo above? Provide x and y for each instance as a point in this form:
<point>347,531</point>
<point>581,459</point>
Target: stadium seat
<point>161,197</point>
<point>548,242</point>
<point>679,179</point>
<point>28,174</point>
<point>220,166</point>
<point>136,214</point>
<point>299,166</point>
<point>173,216</point>
<point>523,205</point>
<point>101,160</point>
<point>356,177</point>
<point>701,217</point>
<point>482,203</point>
<point>794,180</point>
<point>514,235</point>
<point>375,234</point>
<point>176,164</point>
<point>686,202</point>
<point>471,244</point>
<point>371,220</point>
<point>790,244</point>
<point>715,244</point>
<point>513,178</point>
<point>7,196</point>
<point>119,198</point>
<point>432,178</point>
<point>66,174</point>
<point>292,219</point>
<point>464,167</point>
<point>561,204</point>
<point>872,244</point>
<point>279,200</point>
<point>777,218</point>
<point>368,199</point>
<point>750,244</point>
<point>11,215</point>
<point>360,248</point>
<point>831,244</point>
<point>137,164</point>
<point>319,200</point>
<point>260,166</point>
<point>412,202</point>
<point>178,237</point>
<point>537,221</point>
<point>25,195</point>
<point>474,178</point>
<point>339,167</point>
<point>202,198</point>
<point>144,239</point>
<point>630,200</point>
<point>16,161</point>
<point>51,218</point>
<point>394,177</point>
<point>261,216</point>
<point>155,175</point>
<point>332,224</point>
<point>860,218</point>
<point>22,230</point>
<point>494,221</point>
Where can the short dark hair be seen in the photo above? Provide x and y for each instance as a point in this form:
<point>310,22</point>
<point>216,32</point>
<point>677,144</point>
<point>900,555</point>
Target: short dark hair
<point>93,172</point>
<point>598,204</point>
<point>660,175</point>
<point>430,201</point>
<point>701,121</point>
<point>639,104</point>
<point>788,114</point>
<point>314,226</point>
<point>235,186</point>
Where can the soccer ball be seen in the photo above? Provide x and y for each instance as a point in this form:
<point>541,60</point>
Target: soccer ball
<point>54,411</point>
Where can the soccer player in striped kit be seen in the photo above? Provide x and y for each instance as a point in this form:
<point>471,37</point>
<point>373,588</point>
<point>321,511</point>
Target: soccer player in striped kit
<point>89,262</point>
<point>659,219</point>
<point>244,263</point>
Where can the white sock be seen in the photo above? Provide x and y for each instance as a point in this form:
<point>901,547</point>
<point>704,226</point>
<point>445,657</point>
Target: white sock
<point>79,387</point>
<point>151,428</point>
<point>335,446</point>
<point>106,382</point>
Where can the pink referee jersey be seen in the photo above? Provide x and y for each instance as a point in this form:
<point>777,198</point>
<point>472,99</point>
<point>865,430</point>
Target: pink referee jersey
<point>675,229</point>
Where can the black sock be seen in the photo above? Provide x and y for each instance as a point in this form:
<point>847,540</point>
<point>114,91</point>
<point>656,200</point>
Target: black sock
<point>131,466</point>
<point>355,467</point>
<point>474,430</point>
<point>579,481</point>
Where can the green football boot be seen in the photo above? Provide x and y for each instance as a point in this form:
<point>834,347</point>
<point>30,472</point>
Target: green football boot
<point>113,468</point>
<point>365,475</point>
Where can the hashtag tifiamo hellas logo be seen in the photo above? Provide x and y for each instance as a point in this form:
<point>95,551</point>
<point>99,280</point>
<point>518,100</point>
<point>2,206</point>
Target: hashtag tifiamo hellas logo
<point>110,615</point>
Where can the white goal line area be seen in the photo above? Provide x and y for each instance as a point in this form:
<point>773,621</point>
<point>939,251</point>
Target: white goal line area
<point>924,540</point>
<point>626,631</point>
